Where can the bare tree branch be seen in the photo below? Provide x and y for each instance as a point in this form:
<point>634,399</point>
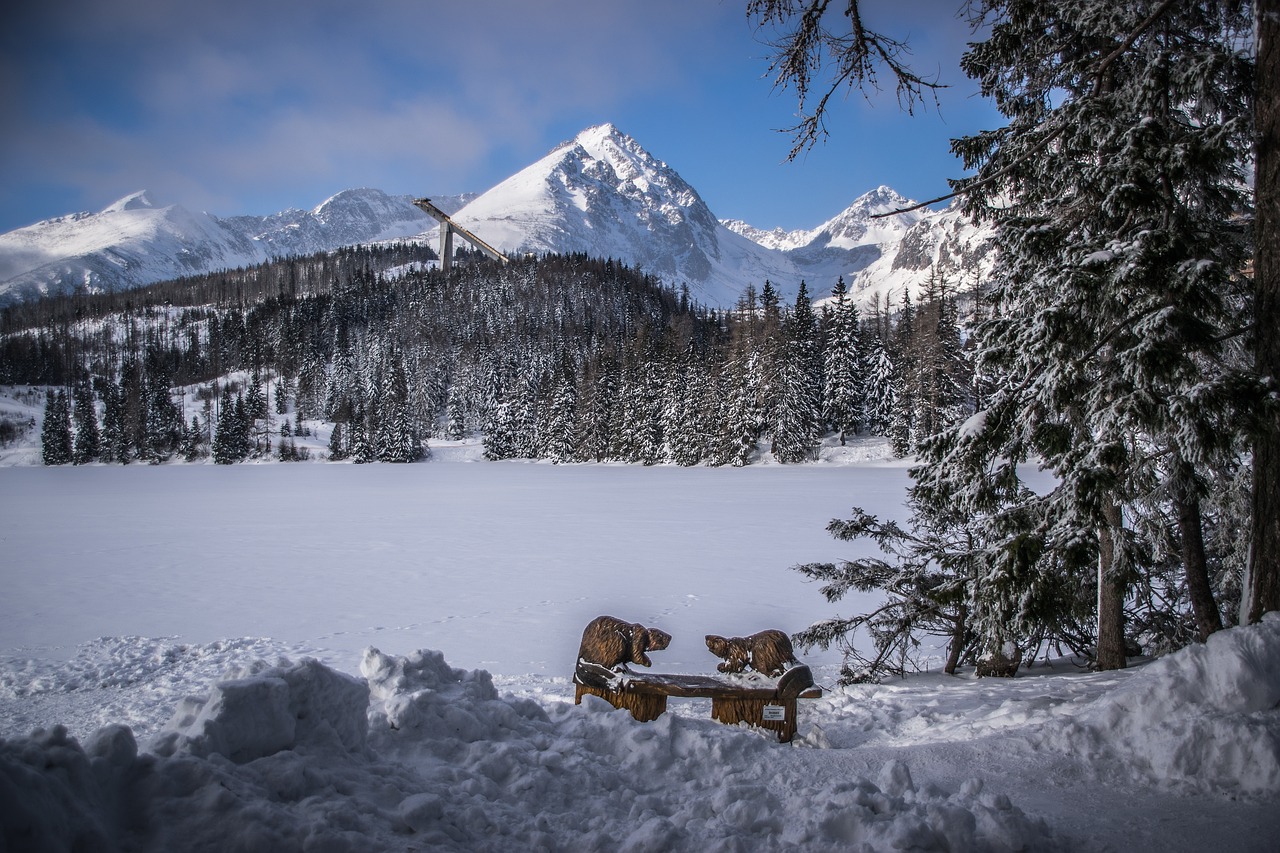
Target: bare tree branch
<point>810,46</point>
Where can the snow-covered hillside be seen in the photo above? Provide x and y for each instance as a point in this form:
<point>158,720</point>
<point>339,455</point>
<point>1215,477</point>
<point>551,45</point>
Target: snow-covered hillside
<point>600,193</point>
<point>135,242</point>
<point>257,681</point>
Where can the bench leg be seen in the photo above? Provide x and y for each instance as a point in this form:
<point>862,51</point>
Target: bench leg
<point>734,711</point>
<point>643,706</point>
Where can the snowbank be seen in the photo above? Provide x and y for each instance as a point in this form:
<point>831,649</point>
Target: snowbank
<point>419,755</point>
<point>1206,717</point>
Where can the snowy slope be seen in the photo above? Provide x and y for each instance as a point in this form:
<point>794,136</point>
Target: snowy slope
<point>127,244</point>
<point>348,218</point>
<point>135,242</point>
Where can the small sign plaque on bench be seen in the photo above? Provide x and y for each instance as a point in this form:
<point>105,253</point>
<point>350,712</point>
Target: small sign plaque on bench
<point>775,713</point>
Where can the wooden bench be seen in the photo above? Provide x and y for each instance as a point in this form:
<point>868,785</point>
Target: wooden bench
<point>766,703</point>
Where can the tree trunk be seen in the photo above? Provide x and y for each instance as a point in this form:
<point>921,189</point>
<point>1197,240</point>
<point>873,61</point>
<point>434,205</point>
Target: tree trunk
<point>1191,530</point>
<point>958,634</point>
<point>1262,590</point>
<point>1110,652</point>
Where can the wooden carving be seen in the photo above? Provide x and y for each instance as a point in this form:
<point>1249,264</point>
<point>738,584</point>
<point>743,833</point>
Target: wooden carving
<point>768,652</point>
<point>613,643</point>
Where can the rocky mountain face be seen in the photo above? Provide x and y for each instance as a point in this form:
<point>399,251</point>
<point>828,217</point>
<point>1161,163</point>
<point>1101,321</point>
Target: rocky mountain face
<point>600,193</point>
<point>879,254</point>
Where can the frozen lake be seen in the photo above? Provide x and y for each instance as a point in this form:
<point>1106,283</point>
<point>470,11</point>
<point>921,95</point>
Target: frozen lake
<point>499,565</point>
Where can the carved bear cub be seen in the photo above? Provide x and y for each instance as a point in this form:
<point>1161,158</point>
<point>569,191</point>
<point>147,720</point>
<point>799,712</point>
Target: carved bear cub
<point>613,643</point>
<point>768,652</point>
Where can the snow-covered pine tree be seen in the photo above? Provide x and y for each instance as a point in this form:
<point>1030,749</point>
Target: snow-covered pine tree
<point>878,368</point>
<point>770,345</point>
<point>88,438</point>
<point>640,437</point>
<point>312,378</point>
<point>1115,188</point>
<point>689,413</point>
<point>455,419</point>
<point>337,445</point>
<point>55,432</point>
<point>941,392</point>
<point>362,451</point>
<point>844,382</point>
<point>499,434</point>
<point>558,425</point>
<point>193,440</point>
<point>228,438</point>
<point>115,438</point>
<point>597,410</point>
<point>741,412</point>
<point>1117,287</point>
<point>798,425</point>
<point>904,379</point>
<point>284,390</point>
<point>163,420</point>
<point>341,393</point>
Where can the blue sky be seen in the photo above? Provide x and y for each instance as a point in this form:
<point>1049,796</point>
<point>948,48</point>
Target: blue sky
<point>252,107</point>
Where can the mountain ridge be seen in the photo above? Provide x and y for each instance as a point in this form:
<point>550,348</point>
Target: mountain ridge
<point>600,193</point>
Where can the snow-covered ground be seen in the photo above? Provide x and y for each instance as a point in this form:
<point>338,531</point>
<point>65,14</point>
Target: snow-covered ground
<point>257,629</point>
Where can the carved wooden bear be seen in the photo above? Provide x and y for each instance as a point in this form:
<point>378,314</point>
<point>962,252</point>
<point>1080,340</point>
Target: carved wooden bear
<point>768,652</point>
<point>612,643</point>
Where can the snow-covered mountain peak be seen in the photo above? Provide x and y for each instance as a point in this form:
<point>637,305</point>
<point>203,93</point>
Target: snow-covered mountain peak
<point>599,134</point>
<point>350,198</point>
<point>856,225</point>
<point>140,200</point>
<point>881,200</point>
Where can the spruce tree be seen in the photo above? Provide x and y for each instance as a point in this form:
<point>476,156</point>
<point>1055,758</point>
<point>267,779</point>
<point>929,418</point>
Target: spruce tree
<point>797,429</point>
<point>55,433</point>
<point>844,383</point>
<point>193,440</point>
<point>1116,274</point>
<point>115,438</point>
<point>227,438</point>
<point>88,439</point>
<point>1112,347</point>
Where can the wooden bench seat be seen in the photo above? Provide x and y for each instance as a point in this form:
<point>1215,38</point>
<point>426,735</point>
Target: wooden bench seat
<point>733,699</point>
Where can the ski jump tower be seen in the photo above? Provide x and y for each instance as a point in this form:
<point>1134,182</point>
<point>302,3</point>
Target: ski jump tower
<point>448,228</point>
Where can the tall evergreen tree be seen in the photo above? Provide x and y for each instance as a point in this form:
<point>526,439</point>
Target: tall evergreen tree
<point>55,433</point>
<point>163,420</point>
<point>797,429</point>
<point>1117,302</point>
<point>1117,283</point>
<point>558,424</point>
<point>88,440</point>
<point>116,446</point>
<point>905,381</point>
<point>844,382</point>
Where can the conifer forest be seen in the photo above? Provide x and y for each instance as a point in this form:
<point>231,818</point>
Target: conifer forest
<point>567,359</point>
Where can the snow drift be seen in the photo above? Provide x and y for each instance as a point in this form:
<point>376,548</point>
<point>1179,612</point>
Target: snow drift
<point>418,754</point>
<point>1207,717</point>
<point>421,755</point>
